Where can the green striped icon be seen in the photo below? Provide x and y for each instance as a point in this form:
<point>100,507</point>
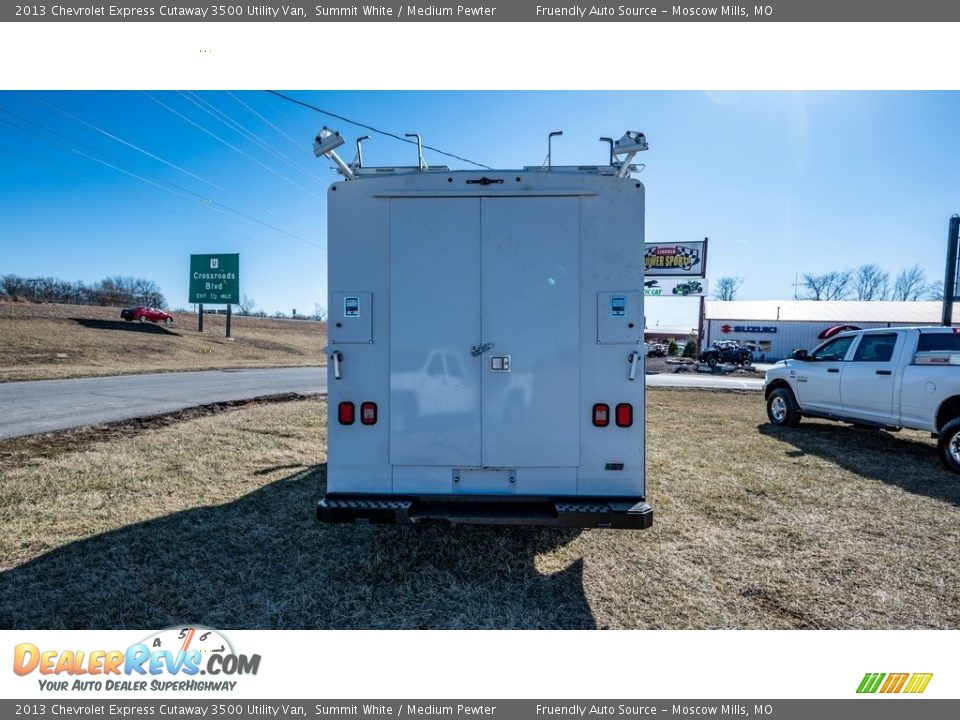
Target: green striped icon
<point>871,682</point>
<point>895,682</point>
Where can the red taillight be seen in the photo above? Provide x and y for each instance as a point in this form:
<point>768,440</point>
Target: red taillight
<point>624,415</point>
<point>601,415</point>
<point>345,413</point>
<point>368,413</point>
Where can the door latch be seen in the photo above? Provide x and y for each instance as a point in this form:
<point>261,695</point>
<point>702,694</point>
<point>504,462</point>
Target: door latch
<point>633,359</point>
<point>337,358</point>
<point>478,350</point>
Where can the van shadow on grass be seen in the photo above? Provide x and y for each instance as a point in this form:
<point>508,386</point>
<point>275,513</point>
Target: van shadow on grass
<point>125,326</point>
<point>876,454</point>
<point>263,561</point>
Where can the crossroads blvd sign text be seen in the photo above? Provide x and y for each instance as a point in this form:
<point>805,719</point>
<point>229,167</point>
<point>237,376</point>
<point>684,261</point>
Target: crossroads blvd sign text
<point>215,279</point>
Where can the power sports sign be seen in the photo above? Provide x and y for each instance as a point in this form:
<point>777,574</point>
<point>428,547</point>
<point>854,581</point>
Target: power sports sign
<point>674,259</point>
<point>215,279</point>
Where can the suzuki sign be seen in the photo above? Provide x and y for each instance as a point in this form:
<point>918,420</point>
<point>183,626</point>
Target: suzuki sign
<point>754,329</point>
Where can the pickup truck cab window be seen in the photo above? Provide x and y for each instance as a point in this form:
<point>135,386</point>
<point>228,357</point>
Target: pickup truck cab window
<point>876,348</point>
<point>938,341</point>
<point>833,351</point>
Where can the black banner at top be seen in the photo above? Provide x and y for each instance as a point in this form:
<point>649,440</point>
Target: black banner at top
<point>491,11</point>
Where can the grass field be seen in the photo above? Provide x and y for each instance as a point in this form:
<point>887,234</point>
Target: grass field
<point>210,520</point>
<point>45,341</point>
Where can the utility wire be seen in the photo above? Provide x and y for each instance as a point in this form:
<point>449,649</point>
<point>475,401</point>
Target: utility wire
<point>165,162</point>
<point>376,130</point>
<point>183,192</point>
<point>236,126</point>
<point>148,153</point>
<point>293,142</point>
<point>233,147</point>
<point>61,171</point>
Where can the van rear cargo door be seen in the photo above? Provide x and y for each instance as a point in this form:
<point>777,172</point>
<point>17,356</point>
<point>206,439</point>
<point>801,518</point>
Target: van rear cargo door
<point>434,323</point>
<point>484,332</point>
<point>530,310</point>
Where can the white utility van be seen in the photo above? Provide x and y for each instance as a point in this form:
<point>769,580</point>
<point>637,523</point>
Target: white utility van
<point>486,345</point>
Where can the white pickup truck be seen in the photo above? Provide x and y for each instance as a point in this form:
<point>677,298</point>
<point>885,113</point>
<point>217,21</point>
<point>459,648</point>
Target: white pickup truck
<point>888,378</point>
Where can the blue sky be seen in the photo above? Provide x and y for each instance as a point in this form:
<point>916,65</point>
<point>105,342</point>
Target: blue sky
<point>781,182</point>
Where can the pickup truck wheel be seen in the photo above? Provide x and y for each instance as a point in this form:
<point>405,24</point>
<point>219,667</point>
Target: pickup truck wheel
<point>782,408</point>
<point>948,446</point>
<point>712,362</point>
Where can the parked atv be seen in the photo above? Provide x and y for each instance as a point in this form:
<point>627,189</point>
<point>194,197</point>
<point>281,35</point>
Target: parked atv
<point>687,288</point>
<point>726,352</point>
<point>655,350</point>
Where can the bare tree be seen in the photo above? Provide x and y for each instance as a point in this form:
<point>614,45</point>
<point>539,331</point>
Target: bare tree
<point>910,284</point>
<point>871,283</point>
<point>726,288</point>
<point>109,291</point>
<point>834,285</point>
<point>15,286</point>
<point>246,305</point>
<point>319,312</point>
<point>935,290</point>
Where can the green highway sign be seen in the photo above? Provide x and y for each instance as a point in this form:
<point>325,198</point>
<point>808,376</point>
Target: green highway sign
<point>215,279</point>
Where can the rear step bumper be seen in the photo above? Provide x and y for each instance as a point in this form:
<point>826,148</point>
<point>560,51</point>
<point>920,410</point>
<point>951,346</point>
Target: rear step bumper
<point>620,513</point>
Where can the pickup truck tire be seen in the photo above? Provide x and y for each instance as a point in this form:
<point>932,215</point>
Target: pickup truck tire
<point>948,445</point>
<point>712,362</point>
<point>783,410</point>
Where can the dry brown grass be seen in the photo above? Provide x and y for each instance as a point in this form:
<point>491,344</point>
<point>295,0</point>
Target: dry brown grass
<point>211,521</point>
<point>44,341</point>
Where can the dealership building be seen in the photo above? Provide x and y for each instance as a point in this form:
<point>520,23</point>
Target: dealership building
<point>775,328</point>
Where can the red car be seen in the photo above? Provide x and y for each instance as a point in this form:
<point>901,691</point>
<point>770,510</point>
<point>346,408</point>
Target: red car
<point>145,314</point>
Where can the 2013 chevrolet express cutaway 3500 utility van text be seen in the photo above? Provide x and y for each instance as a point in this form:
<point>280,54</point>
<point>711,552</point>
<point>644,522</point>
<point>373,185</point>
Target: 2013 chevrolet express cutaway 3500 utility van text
<point>888,378</point>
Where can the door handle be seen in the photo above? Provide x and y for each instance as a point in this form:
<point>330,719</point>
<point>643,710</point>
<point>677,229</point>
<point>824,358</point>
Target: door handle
<point>478,350</point>
<point>833,369</point>
<point>633,359</point>
<point>337,358</point>
<point>884,372</point>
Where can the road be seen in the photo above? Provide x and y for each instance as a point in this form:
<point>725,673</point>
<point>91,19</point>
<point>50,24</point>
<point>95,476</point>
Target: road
<point>42,406</point>
<point>703,380</point>
<point>27,408</point>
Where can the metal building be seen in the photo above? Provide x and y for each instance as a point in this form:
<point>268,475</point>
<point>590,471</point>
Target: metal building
<point>773,329</point>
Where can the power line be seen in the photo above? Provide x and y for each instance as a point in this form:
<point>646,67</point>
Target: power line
<point>148,153</point>
<point>232,147</point>
<point>82,178</point>
<point>236,126</point>
<point>293,142</point>
<point>219,207</point>
<point>376,130</point>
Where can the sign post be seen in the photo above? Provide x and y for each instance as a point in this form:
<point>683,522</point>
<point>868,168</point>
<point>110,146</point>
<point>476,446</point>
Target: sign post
<point>215,280</point>
<point>950,277</point>
<point>703,302</point>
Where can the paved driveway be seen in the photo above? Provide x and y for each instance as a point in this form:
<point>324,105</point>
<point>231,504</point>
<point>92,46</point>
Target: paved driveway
<point>703,380</point>
<point>48,405</point>
<point>41,406</point>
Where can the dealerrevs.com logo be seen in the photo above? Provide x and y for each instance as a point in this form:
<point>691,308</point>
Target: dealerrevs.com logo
<point>911,683</point>
<point>172,659</point>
